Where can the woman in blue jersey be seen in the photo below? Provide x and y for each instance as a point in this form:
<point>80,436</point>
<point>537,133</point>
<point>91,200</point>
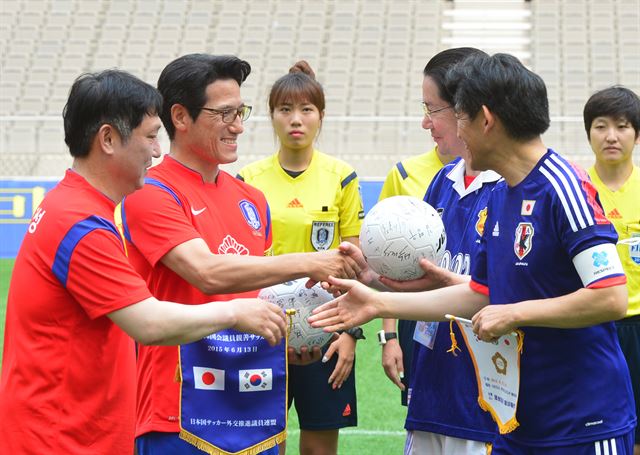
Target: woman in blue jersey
<point>315,204</point>
<point>443,416</point>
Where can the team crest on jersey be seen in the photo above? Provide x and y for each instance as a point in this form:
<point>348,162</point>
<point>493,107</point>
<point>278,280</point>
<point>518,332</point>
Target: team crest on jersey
<point>322,233</point>
<point>482,218</point>
<point>250,213</point>
<point>524,240</point>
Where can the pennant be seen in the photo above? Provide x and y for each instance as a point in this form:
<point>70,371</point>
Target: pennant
<point>497,366</point>
<point>231,421</point>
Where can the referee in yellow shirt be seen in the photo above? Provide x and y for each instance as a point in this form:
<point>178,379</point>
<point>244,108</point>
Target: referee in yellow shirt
<point>315,204</point>
<point>612,121</point>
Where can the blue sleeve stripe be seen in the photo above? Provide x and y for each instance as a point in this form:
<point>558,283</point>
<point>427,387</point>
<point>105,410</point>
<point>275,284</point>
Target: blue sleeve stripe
<point>239,177</point>
<point>77,232</point>
<point>348,179</point>
<point>125,226</point>
<point>159,184</point>
<point>268,227</point>
<point>402,170</point>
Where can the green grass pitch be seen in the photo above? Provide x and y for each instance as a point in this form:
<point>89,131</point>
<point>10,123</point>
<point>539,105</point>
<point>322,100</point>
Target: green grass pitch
<point>380,416</point>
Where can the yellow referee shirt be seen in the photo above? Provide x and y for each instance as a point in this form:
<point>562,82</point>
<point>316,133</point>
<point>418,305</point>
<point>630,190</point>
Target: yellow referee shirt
<point>411,177</point>
<point>312,211</point>
<point>623,210</point>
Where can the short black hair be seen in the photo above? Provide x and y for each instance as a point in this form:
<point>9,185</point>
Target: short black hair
<point>185,80</point>
<point>616,102</point>
<point>112,97</point>
<point>440,63</point>
<point>517,96</point>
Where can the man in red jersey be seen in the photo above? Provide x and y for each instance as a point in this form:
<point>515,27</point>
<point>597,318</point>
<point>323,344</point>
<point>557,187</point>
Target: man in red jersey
<point>196,233</point>
<point>68,373</point>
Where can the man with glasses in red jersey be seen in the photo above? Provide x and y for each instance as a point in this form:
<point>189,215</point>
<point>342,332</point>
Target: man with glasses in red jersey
<point>198,234</point>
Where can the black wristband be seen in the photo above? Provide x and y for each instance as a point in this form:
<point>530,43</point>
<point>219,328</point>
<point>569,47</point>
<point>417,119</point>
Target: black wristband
<point>356,332</point>
<point>383,337</point>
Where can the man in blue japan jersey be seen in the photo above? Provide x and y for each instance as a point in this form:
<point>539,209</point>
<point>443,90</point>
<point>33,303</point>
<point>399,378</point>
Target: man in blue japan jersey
<point>547,265</point>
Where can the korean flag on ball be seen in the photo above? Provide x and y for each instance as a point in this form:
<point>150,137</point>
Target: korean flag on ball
<point>208,378</point>
<point>255,380</point>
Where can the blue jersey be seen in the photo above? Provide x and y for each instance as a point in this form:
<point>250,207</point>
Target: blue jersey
<point>547,237</point>
<point>444,390</point>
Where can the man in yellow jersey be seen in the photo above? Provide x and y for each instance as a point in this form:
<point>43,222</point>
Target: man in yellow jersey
<point>612,122</point>
<point>411,177</point>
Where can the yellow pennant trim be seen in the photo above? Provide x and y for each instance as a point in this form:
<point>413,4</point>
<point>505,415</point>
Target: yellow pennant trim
<point>454,342</point>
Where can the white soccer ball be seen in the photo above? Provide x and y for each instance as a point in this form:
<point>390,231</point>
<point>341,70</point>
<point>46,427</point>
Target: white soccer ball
<point>295,295</point>
<point>397,232</point>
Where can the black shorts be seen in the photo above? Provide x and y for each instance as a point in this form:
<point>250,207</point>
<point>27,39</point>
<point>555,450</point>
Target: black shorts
<point>405,339</point>
<point>320,407</point>
<point>629,336</point>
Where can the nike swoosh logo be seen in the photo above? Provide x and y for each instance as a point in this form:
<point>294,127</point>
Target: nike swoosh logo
<point>197,212</point>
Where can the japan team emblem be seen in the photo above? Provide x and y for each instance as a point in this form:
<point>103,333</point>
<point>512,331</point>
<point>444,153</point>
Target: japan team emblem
<point>322,233</point>
<point>482,218</point>
<point>250,213</point>
<point>523,241</point>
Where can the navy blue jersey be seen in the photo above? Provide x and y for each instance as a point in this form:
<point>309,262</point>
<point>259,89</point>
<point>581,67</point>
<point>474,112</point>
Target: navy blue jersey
<point>547,237</point>
<point>444,391</point>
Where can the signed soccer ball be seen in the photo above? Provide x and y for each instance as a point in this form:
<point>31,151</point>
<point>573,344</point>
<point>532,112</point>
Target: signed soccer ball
<point>295,295</point>
<point>397,232</point>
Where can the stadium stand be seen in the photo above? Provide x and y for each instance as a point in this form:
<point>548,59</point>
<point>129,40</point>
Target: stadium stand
<point>369,55</point>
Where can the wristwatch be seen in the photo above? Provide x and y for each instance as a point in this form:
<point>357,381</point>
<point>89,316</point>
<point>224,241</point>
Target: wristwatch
<point>383,337</point>
<point>356,332</point>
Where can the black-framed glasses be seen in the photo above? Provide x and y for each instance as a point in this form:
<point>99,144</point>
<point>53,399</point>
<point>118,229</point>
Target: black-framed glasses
<point>428,112</point>
<point>230,115</point>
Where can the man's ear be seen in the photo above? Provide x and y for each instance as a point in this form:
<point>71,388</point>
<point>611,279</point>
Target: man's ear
<point>489,119</point>
<point>106,137</point>
<point>180,117</point>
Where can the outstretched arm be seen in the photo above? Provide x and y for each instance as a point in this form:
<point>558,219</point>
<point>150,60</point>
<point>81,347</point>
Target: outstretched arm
<point>156,322</point>
<point>361,304</point>
<point>228,273</point>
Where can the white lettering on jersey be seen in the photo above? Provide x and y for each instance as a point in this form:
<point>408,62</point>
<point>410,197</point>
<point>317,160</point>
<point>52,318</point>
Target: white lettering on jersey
<point>37,217</point>
<point>597,262</point>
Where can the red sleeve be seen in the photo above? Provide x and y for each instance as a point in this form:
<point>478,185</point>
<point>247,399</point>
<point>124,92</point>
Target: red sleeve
<point>100,277</point>
<point>155,222</point>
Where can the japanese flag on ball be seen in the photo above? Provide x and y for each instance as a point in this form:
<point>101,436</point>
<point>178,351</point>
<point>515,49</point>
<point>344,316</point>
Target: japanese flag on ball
<point>295,295</point>
<point>397,232</point>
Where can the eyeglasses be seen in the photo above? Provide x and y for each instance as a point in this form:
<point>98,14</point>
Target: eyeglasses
<point>230,115</point>
<point>428,112</point>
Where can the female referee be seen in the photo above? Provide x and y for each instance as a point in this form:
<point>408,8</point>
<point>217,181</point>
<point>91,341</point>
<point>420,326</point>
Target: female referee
<point>315,204</point>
